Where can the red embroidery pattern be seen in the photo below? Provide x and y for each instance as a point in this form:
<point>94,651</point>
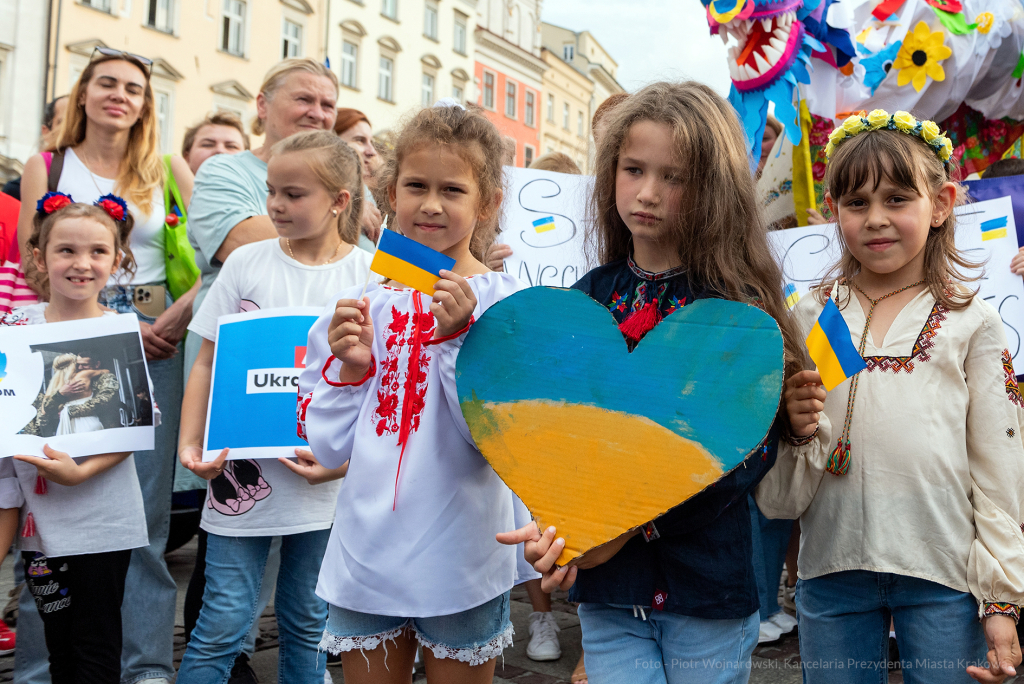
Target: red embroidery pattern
<point>400,333</point>
<point>925,341</point>
<point>1010,379</point>
<point>302,403</point>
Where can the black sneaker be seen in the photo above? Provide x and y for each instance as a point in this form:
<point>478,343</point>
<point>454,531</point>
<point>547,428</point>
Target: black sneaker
<point>241,672</point>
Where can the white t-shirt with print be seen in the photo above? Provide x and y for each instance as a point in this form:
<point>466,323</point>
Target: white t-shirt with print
<point>263,497</point>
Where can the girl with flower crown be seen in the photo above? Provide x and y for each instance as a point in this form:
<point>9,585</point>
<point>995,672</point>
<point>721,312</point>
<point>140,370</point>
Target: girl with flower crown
<point>907,476</point>
<point>80,518</point>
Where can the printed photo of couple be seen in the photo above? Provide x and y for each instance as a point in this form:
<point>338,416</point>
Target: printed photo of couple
<point>90,385</point>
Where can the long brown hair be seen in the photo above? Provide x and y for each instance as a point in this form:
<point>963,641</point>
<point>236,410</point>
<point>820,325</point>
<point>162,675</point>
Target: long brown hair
<point>142,170</point>
<point>337,166</point>
<point>907,162</point>
<point>719,236</point>
<point>468,133</point>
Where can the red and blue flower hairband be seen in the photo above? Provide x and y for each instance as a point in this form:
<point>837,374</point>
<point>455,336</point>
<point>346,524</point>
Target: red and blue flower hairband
<point>115,207</point>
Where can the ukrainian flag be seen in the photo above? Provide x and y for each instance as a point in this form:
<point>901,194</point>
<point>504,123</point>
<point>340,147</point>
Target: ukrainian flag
<point>791,295</point>
<point>994,228</point>
<point>831,348</point>
<point>543,225</point>
<point>408,262</point>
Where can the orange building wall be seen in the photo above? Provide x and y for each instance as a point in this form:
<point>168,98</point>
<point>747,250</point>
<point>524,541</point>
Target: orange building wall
<point>513,128</point>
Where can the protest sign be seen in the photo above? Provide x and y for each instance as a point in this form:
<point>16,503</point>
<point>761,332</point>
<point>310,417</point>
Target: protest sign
<point>1002,186</point>
<point>986,232</point>
<point>256,367</point>
<point>80,387</point>
<point>586,451</point>
<point>544,222</point>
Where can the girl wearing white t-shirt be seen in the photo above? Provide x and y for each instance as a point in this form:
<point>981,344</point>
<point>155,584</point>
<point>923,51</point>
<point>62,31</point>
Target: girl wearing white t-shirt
<point>415,557</point>
<point>315,200</point>
<point>80,519</point>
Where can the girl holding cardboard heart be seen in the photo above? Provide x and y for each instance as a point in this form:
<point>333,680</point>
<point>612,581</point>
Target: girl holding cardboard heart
<point>678,220</point>
<point>907,477</point>
<point>413,557</point>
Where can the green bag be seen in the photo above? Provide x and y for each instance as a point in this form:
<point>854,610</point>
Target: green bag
<point>179,257</point>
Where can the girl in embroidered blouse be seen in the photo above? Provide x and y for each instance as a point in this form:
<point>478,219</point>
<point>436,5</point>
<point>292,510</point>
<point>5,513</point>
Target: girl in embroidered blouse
<point>906,477</point>
<point>677,220</point>
<point>415,559</point>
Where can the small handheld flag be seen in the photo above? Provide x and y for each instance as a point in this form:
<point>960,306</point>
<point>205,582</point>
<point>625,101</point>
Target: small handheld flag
<point>543,225</point>
<point>831,348</point>
<point>408,262</point>
<point>791,295</point>
<point>993,228</point>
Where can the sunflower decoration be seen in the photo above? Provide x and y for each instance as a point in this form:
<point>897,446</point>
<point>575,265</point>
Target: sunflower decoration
<point>919,57</point>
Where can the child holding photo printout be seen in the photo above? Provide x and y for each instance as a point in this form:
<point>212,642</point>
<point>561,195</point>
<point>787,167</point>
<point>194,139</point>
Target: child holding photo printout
<point>80,518</point>
<point>415,556</point>
<point>906,477</point>
<point>315,200</point>
<point>677,221</point>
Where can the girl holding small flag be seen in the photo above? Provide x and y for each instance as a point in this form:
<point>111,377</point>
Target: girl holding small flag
<point>907,476</point>
<point>415,559</point>
<point>314,199</point>
<point>677,220</point>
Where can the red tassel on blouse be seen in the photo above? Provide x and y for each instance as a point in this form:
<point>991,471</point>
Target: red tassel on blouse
<point>641,321</point>
<point>40,485</point>
<point>29,530</point>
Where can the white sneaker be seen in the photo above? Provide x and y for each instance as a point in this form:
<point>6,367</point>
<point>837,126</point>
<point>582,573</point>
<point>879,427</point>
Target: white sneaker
<point>543,637</point>
<point>768,632</point>
<point>327,678</point>
<point>784,621</point>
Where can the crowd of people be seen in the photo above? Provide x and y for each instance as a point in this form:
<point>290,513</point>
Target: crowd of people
<point>391,535</point>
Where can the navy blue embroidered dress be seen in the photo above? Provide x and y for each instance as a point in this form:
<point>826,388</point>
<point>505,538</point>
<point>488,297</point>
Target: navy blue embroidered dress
<point>700,552</point>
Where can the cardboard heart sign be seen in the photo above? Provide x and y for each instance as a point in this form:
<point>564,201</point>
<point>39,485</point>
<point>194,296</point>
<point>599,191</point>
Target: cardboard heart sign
<point>596,440</point>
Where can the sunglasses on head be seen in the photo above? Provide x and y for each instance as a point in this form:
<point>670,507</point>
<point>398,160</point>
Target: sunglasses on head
<point>145,62</point>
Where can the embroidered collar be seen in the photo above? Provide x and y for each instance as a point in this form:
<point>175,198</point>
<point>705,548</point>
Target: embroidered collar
<point>655,277</point>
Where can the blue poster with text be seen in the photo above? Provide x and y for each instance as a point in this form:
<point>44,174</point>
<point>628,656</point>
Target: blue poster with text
<point>257,362</point>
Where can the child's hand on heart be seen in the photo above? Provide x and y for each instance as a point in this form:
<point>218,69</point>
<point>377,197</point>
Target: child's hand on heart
<point>805,400</point>
<point>453,305</point>
<point>351,338</point>
<point>543,550</point>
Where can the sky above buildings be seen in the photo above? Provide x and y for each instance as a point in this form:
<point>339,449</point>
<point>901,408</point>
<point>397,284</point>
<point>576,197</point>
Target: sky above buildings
<point>652,40</point>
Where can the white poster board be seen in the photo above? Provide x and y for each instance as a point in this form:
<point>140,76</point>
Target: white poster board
<point>82,387</point>
<point>986,232</point>
<point>544,222</point>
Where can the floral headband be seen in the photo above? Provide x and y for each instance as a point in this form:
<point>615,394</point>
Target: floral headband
<point>900,121</point>
<point>116,207</point>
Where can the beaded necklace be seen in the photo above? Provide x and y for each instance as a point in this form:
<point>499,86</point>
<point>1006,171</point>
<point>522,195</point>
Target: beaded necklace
<point>839,460</point>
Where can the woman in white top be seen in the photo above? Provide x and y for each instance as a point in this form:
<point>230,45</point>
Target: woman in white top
<point>110,144</point>
<point>906,477</point>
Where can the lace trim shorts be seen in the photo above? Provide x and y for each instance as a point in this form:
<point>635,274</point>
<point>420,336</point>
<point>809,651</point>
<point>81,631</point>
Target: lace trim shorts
<point>473,636</point>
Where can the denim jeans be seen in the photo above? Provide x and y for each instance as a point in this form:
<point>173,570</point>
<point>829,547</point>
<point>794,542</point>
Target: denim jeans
<point>664,648</point>
<point>147,612</point>
<point>234,575</point>
<point>770,540</point>
<point>844,629</point>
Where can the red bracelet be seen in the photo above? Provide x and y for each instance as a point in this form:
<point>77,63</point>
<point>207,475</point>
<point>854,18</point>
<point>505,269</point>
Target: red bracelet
<point>370,372</point>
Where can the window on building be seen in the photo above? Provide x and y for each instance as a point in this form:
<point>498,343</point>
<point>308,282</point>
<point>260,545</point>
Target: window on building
<point>458,92</point>
<point>291,40</point>
<point>488,90</point>
<point>349,63</point>
<point>527,155</point>
<point>579,124</point>
<point>459,36</point>
<point>163,118</point>
<point>510,99</point>
<point>98,4</point>
<point>529,116</point>
<point>232,33</point>
<point>159,15</point>
<point>386,84</point>
<point>551,108</point>
<point>430,19</point>
<point>568,52</point>
<point>427,96</point>
<point>389,8</point>
<point>565,116</point>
